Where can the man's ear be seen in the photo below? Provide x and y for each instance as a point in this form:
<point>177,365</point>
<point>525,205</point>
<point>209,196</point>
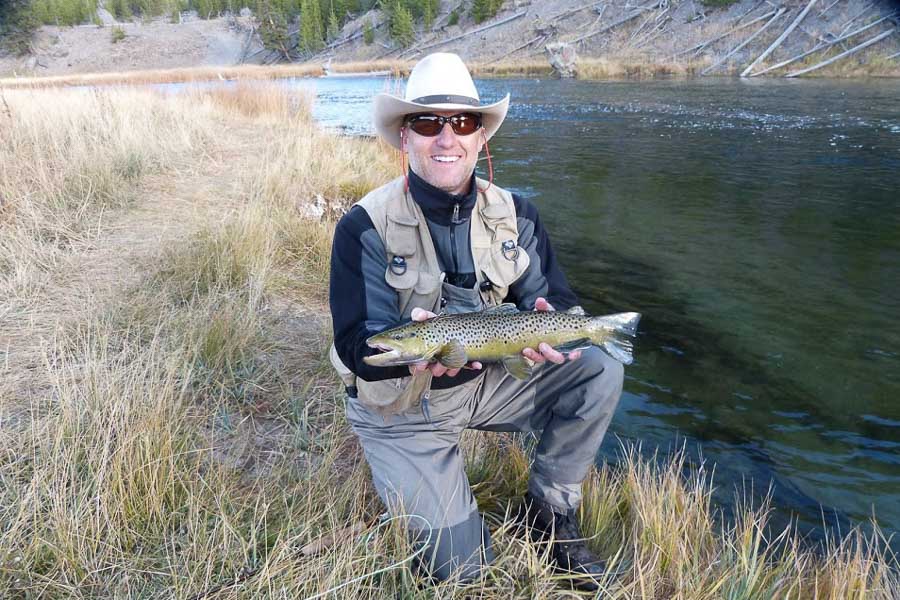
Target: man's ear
<point>403,139</point>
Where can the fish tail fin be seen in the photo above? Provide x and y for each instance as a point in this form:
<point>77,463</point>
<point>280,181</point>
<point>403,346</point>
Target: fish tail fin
<point>612,332</point>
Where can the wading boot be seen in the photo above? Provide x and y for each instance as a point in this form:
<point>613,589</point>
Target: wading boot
<point>569,552</point>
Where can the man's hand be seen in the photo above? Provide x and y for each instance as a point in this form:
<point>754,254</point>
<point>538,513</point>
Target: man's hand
<point>437,369</point>
<point>544,350</point>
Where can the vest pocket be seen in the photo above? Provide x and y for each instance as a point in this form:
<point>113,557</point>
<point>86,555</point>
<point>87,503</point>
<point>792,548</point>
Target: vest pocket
<point>401,281</point>
<point>401,235</point>
<point>503,266</point>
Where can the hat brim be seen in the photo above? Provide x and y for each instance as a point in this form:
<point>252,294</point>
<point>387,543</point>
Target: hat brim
<point>390,111</point>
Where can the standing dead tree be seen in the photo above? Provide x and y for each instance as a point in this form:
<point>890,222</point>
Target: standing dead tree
<point>833,59</point>
<point>740,46</point>
<point>780,39</point>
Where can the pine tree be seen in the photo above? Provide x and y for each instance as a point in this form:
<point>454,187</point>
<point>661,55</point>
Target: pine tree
<point>482,10</point>
<point>311,37</point>
<point>402,25</point>
<point>334,29</point>
<point>368,33</point>
<point>429,8</point>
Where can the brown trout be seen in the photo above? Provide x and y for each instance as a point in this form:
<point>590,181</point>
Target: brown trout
<point>499,334</point>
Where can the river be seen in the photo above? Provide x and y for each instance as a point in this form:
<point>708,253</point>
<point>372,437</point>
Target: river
<point>756,225</point>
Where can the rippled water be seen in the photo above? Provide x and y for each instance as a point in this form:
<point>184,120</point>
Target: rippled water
<point>756,225</point>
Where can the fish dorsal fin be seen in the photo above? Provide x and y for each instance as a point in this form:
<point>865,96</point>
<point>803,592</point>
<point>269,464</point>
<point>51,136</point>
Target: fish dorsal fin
<point>577,311</point>
<point>452,355</point>
<point>579,344</point>
<point>501,309</point>
<point>518,366</point>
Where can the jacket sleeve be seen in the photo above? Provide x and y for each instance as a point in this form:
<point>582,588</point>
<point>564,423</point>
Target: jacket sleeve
<point>544,278</point>
<point>362,303</point>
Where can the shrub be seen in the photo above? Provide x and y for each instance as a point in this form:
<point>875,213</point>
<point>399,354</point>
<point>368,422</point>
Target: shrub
<point>368,33</point>
<point>454,18</point>
<point>118,34</point>
<point>482,10</point>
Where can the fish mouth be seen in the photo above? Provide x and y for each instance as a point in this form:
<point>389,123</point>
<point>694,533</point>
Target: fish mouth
<point>389,357</point>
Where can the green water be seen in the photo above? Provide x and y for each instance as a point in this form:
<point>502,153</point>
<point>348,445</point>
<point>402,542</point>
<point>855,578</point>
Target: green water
<point>757,228</point>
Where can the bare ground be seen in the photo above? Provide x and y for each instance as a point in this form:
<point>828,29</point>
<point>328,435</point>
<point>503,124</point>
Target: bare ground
<point>157,44</point>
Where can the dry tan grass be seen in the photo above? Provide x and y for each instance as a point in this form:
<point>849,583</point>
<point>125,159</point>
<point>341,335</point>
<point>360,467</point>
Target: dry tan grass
<point>194,431</point>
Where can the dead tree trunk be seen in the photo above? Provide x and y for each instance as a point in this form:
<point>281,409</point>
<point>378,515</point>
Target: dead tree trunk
<point>833,59</point>
<point>780,39</point>
<point>738,48</point>
<point>820,46</point>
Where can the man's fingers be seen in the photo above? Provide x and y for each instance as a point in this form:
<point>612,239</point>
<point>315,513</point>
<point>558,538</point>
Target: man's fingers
<point>420,314</point>
<point>551,354</point>
<point>437,369</point>
<point>542,305</point>
<point>574,355</point>
<point>534,355</point>
<point>452,372</point>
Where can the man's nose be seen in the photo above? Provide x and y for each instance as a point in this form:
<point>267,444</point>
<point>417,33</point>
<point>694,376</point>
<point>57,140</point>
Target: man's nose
<point>446,138</point>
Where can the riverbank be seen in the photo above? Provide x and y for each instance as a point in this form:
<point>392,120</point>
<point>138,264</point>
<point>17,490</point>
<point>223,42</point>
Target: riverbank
<point>169,418</point>
<point>613,40</point>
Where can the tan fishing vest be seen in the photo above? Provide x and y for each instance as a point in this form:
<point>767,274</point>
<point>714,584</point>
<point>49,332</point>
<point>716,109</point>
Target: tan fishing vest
<point>414,272</point>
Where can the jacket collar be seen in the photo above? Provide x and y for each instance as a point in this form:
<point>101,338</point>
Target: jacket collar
<point>438,205</point>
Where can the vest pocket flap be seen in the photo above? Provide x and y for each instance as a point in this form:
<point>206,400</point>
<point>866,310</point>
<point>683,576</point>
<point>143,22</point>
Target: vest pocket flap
<point>502,271</point>
<point>401,235</point>
<point>402,281</point>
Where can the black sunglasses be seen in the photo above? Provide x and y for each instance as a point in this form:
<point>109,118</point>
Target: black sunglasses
<point>432,125</point>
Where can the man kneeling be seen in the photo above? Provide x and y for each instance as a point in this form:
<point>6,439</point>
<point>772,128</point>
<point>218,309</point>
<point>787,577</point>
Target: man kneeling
<point>439,239</point>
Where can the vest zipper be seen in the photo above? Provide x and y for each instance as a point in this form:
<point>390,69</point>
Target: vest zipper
<point>453,222</point>
<point>425,410</point>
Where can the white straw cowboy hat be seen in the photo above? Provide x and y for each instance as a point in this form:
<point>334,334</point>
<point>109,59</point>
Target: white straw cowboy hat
<point>438,82</point>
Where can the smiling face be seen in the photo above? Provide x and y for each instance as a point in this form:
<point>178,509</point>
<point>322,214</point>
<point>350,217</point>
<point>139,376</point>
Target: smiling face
<point>446,160</point>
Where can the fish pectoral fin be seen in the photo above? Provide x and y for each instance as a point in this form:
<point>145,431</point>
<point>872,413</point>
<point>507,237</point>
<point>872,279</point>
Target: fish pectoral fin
<point>579,344</point>
<point>501,309</point>
<point>453,355</point>
<point>518,366</point>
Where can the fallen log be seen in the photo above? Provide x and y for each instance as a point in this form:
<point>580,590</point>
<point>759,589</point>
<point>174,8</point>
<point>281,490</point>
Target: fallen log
<point>780,39</point>
<point>740,46</point>
<point>525,45</point>
<point>474,31</point>
<point>572,11</point>
<point>702,45</point>
<point>846,25</point>
<point>833,59</point>
<point>820,46</point>
<point>615,24</point>
<point>827,8</point>
<point>895,55</point>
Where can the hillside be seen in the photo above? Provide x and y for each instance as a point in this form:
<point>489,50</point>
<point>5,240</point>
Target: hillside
<point>618,37</point>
